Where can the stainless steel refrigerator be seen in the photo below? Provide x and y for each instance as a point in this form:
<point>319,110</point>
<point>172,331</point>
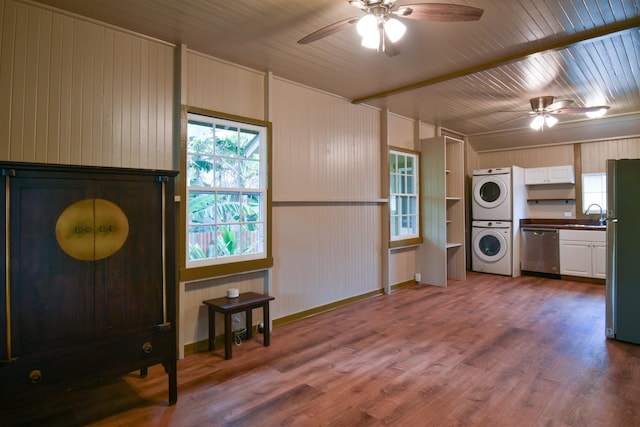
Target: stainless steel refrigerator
<point>623,250</point>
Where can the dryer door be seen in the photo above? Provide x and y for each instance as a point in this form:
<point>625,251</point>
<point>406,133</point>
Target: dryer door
<point>489,191</point>
<point>490,245</point>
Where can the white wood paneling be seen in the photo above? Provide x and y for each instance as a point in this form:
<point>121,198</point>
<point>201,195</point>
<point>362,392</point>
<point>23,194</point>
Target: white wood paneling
<point>595,154</point>
<point>324,253</point>
<point>221,86</point>
<point>527,158</point>
<point>77,92</point>
<point>324,148</point>
<point>401,132</point>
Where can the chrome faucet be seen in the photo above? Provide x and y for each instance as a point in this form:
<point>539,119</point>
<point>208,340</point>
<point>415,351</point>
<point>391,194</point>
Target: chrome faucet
<point>602,220</point>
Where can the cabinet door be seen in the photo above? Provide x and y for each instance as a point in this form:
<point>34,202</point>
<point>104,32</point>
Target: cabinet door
<point>560,175</point>
<point>599,260</point>
<point>130,282</point>
<point>52,294</point>
<point>535,176</point>
<point>575,258</point>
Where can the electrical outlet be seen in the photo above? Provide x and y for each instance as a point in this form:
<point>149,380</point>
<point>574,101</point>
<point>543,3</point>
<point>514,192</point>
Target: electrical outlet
<point>567,214</point>
<point>418,277</point>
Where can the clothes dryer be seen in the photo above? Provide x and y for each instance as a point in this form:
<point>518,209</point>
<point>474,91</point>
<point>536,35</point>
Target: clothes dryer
<point>492,194</point>
<point>491,247</point>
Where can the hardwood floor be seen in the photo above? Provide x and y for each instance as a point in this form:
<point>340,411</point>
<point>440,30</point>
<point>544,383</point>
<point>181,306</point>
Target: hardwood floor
<point>489,351</point>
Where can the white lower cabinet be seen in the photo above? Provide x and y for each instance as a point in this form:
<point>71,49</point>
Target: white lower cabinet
<point>583,253</point>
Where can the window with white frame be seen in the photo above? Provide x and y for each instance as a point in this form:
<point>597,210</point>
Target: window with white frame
<point>403,195</point>
<point>594,192</point>
<point>226,191</point>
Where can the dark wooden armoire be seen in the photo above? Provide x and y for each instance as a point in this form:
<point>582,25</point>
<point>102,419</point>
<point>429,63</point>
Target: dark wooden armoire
<point>88,276</point>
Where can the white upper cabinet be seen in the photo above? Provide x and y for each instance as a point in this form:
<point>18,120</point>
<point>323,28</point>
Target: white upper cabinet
<point>549,175</point>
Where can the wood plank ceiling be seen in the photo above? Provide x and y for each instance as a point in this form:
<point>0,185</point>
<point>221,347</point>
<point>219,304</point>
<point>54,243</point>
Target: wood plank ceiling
<point>465,76</point>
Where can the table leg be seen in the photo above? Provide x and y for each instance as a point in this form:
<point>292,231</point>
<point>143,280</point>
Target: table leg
<point>249,322</point>
<point>228,338</point>
<point>212,329</point>
<point>265,320</point>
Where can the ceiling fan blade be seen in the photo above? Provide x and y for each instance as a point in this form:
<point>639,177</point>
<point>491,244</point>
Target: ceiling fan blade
<point>558,105</point>
<point>442,12</point>
<point>579,110</point>
<point>390,48</point>
<point>328,30</point>
<point>358,3</point>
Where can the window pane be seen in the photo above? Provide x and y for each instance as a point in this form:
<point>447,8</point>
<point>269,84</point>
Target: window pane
<point>199,138</point>
<point>251,207</point>
<point>393,163</point>
<point>226,175</point>
<point>395,225</point>
<point>200,171</point>
<point>409,164</point>
<point>410,185</point>
<point>202,208</point>
<point>249,144</point>
<point>201,242</point>
<point>226,140</point>
<point>228,240</point>
<point>251,238</point>
<point>250,173</point>
<point>228,207</point>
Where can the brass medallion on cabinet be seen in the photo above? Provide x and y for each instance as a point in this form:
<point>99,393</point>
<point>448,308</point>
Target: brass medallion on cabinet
<point>92,229</point>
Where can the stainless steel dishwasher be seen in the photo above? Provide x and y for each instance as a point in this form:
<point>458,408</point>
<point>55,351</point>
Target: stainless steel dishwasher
<point>540,250</point>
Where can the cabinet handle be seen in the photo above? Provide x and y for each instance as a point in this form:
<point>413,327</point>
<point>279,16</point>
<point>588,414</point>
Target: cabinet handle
<point>80,230</point>
<point>35,376</point>
<point>147,347</point>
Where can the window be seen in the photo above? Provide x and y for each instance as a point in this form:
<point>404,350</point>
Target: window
<point>594,192</point>
<point>227,185</point>
<point>403,195</point>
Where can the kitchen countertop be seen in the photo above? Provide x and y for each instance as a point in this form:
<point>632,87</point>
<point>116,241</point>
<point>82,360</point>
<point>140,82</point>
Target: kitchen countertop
<point>566,224</point>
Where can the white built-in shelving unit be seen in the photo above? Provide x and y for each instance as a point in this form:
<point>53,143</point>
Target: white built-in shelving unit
<point>442,255</point>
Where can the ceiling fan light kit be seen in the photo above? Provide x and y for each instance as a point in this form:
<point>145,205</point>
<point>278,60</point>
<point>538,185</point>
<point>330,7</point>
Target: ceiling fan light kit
<point>373,28</point>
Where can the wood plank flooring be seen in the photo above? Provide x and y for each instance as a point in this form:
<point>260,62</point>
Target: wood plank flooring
<point>489,351</point>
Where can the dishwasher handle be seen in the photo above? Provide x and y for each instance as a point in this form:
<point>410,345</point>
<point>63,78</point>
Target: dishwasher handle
<point>540,231</point>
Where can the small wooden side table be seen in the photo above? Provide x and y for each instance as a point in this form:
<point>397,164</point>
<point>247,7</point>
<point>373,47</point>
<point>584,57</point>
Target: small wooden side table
<point>227,306</point>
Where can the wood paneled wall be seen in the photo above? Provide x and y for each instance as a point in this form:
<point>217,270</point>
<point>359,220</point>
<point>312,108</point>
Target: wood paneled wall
<point>323,147</point>
<point>595,154</point>
<point>326,196</point>
<point>76,92</point>
<point>220,86</point>
<point>527,158</point>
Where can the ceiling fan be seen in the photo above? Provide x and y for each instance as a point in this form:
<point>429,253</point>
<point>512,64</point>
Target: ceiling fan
<point>379,27</point>
<point>545,108</point>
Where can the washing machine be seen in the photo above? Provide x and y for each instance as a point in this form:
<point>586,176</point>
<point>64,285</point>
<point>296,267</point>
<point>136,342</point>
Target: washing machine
<point>492,197</point>
<point>491,247</point>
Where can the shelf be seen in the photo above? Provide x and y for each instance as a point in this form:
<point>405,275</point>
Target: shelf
<point>453,245</point>
<point>453,199</point>
<point>550,200</point>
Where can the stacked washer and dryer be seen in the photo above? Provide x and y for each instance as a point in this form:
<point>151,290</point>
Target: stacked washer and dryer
<point>498,204</point>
